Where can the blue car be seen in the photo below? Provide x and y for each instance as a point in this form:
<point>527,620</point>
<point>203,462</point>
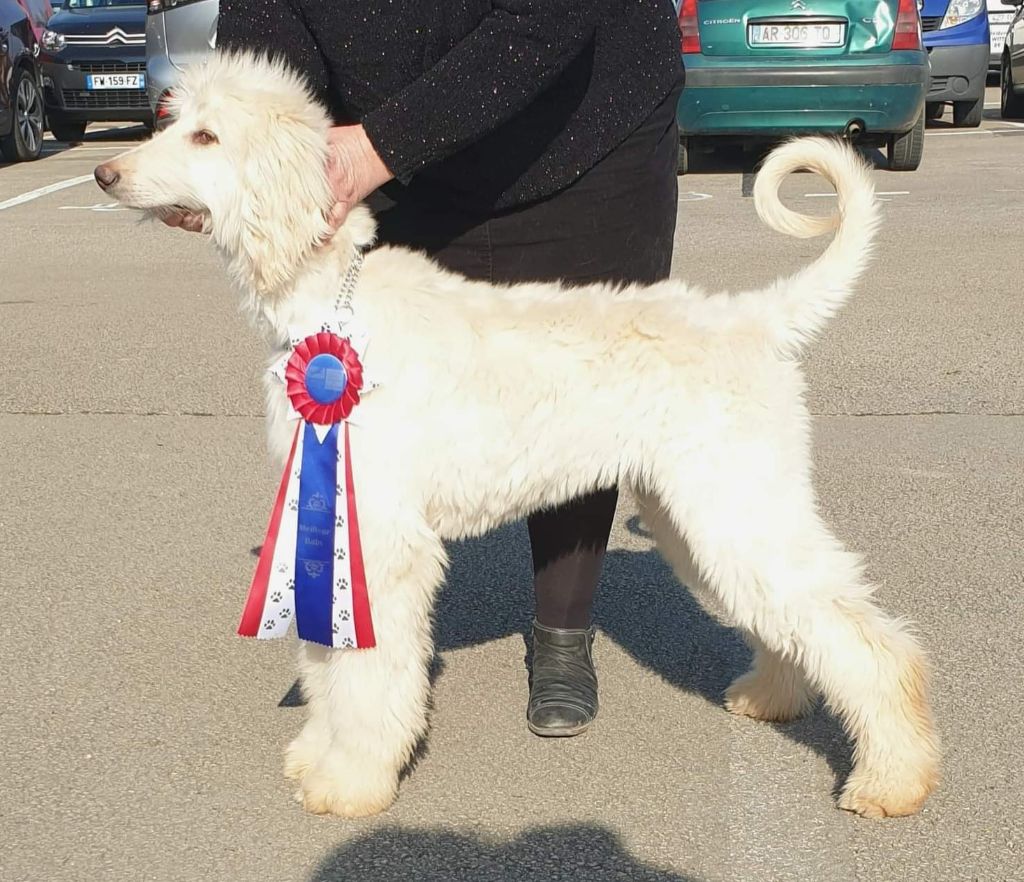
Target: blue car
<point>956,34</point>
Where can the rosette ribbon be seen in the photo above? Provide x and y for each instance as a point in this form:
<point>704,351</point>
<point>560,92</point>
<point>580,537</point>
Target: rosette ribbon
<point>310,568</point>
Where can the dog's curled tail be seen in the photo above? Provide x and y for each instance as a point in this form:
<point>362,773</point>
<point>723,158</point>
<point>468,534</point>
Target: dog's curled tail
<point>803,303</point>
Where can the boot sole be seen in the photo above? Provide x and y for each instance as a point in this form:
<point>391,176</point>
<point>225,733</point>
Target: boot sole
<point>560,732</point>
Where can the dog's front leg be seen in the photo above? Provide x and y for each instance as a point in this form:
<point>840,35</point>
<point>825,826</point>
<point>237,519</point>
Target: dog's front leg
<point>368,707</point>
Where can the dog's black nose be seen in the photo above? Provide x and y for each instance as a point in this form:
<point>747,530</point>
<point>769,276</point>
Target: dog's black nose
<point>106,176</point>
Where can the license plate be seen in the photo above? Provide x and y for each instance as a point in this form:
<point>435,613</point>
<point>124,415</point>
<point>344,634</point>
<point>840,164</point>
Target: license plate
<point>115,81</point>
<point>997,36</point>
<point>812,35</point>
<point>1000,17</point>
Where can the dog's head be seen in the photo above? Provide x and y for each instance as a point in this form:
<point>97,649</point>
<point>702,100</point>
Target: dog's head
<point>247,149</point>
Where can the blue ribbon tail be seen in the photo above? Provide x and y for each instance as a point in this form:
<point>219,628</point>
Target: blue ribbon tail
<point>314,547</point>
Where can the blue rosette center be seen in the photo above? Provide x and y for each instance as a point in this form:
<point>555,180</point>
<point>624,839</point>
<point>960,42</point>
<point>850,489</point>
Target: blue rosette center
<point>326,378</point>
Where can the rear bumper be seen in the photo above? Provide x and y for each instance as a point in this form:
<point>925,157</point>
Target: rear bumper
<point>732,99</point>
<point>958,72</point>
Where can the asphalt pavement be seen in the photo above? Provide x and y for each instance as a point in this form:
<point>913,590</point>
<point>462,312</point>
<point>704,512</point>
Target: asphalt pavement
<point>141,740</point>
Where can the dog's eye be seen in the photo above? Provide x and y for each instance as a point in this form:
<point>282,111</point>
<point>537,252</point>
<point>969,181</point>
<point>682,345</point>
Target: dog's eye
<point>204,137</point>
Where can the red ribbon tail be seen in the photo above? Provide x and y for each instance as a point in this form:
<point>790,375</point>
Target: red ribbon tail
<point>254,604</point>
<point>362,620</point>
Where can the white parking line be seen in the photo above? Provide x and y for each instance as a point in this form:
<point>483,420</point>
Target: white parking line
<point>53,148</point>
<point>1013,131</point>
<point>44,191</point>
<point>99,206</point>
<point>878,193</point>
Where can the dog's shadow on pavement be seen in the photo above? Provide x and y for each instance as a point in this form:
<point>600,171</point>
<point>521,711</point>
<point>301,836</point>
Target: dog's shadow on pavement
<point>544,854</point>
<point>640,605</point>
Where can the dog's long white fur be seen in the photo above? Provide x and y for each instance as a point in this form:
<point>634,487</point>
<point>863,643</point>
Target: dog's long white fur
<point>497,401</point>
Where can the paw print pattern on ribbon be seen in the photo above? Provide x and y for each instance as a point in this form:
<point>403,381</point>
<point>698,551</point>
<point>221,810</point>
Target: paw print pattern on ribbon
<point>348,643</point>
<point>293,505</point>
<point>268,625</point>
<point>339,521</point>
<point>276,597</point>
<point>286,613</point>
<point>341,583</point>
<point>339,553</point>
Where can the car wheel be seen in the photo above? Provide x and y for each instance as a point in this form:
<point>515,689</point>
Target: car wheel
<point>683,162</point>
<point>933,110</point>
<point>905,150</point>
<point>71,132</point>
<point>25,142</point>
<point>967,114</point>
<point>1011,105</point>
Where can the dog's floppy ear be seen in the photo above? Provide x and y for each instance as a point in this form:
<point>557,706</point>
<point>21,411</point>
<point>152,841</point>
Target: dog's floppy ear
<point>279,216</point>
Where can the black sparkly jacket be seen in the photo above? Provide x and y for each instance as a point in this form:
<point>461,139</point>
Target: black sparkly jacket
<point>488,104</point>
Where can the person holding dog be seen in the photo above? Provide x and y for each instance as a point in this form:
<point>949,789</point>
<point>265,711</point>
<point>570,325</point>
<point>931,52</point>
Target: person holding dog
<point>513,141</point>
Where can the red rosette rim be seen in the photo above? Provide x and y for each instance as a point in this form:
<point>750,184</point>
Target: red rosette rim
<point>312,411</point>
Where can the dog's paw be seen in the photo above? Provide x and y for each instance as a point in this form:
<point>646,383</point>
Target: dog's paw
<point>896,787</point>
<point>772,699</point>
<point>872,799</point>
<point>354,792</point>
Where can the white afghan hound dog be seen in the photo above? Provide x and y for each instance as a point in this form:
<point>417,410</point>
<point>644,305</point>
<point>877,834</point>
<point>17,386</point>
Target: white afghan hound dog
<point>496,401</point>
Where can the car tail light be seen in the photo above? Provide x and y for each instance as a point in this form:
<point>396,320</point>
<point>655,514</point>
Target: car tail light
<point>162,110</point>
<point>908,26</point>
<point>688,31</point>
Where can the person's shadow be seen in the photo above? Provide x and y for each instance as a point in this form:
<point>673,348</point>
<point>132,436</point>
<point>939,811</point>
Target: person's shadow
<point>639,604</point>
<point>544,854</point>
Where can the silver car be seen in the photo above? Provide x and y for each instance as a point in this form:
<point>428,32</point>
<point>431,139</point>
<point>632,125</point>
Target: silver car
<point>178,33</point>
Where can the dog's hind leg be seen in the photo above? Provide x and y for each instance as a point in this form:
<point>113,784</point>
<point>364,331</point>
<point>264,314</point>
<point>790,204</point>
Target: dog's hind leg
<point>774,689</point>
<point>368,707</point>
<point>779,575</point>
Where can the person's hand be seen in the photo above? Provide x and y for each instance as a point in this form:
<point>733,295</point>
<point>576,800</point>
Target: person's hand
<point>354,170</point>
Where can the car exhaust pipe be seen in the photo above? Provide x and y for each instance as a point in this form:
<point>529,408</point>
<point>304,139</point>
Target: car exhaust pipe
<point>854,128</point>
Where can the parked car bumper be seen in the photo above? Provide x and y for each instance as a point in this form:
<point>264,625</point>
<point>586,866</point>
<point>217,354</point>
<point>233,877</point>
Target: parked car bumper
<point>739,98</point>
<point>958,72</point>
<point>68,97</point>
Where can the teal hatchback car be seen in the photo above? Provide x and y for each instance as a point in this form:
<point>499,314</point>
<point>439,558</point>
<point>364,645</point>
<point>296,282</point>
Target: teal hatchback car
<point>773,68</point>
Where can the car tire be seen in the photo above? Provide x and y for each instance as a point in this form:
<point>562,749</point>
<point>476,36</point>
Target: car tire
<point>71,132</point>
<point>683,161</point>
<point>905,151</point>
<point>25,142</point>
<point>967,114</point>
<point>934,109</point>
<point>1011,105</point>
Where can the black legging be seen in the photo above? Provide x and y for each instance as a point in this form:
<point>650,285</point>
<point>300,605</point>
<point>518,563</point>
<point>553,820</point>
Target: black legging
<point>616,223</point>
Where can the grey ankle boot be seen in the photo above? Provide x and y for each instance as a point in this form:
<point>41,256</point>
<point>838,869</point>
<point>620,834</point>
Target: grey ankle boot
<point>563,685</point>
